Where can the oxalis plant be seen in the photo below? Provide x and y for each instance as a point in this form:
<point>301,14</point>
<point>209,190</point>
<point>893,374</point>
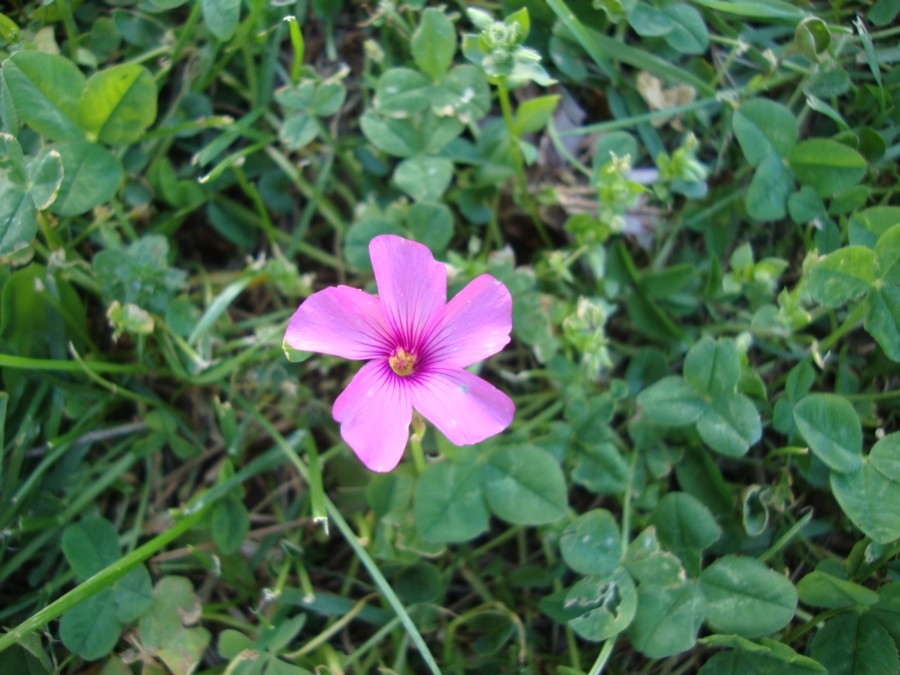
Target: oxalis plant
<point>622,280</point>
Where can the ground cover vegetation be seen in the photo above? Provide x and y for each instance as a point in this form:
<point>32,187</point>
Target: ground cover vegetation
<point>694,208</point>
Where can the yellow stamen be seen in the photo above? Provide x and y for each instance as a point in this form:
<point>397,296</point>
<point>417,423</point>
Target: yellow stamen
<point>402,362</point>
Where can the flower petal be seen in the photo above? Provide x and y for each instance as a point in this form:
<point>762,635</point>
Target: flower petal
<point>375,412</point>
<point>340,321</point>
<point>463,406</point>
<point>411,285</point>
<point>473,326</point>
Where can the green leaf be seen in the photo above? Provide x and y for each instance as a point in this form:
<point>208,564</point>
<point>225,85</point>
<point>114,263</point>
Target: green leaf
<point>754,659</point>
<point>524,485</point>
<point>885,456</point>
<point>608,604</point>
<point>91,629</point>
<point>843,275</point>
<point>812,37</point>
<point>9,29</point>
<point>396,137</point>
<point>45,90</point>
<point>533,114</point>
<point>601,469</point>
<point>683,523</point>
<point>298,130</point>
<point>425,179</point>
<point>133,594</point>
<point>651,565</point>
<point>870,496</point>
<point>730,424</point>
<point>278,636</point>
<point>91,177</point>
<point>12,160</point>
<point>713,366</point>
<point>647,21</point>
<point>831,427</point>
<point>449,505</point>
<point>18,218</point>
<point>327,98</point>
<point>433,43</point>
<point>297,97</point>
<point>230,524</point>
<point>45,175</point>
<point>221,16</point>
<point>34,322</point>
<point>139,274</point>
<point>232,642</point>
<point>805,206</point>
<point>867,226</point>
<point>888,251</point>
<point>855,644</point>
<point>671,402</point>
<point>435,132</point>
<point>591,543</point>
<point>887,609</point>
<point>667,619</point>
<point>163,630</point>
<point>402,92</point>
<point>419,582</point>
<point>689,34</point>
<point>279,667</point>
<point>764,129</point>
<point>90,545</point>
<point>356,243</point>
<point>746,597</point>
<point>770,188</point>
<point>118,104</point>
<point>821,589</point>
<point>27,655</point>
<point>430,223</point>
<point>883,319</point>
<point>618,143</point>
<point>827,166</point>
<point>463,93</point>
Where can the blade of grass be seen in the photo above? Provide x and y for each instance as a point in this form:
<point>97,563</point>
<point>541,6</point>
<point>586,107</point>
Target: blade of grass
<point>351,538</point>
<point>297,43</point>
<point>600,47</point>
<point>4,402</point>
<point>218,306</point>
<point>768,9</point>
<point>27,363</point>
<point>103,579</point>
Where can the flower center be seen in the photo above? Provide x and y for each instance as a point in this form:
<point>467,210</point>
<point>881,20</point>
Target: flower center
<point>402,362</point>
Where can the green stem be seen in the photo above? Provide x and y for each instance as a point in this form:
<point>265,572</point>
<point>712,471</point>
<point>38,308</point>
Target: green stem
<point>527,201</point>
<point>103,579</point>
<point>787,537</point>
<point>316,489</point>
<point>351,538</point>
<point>849,324</point>
<point>185,34</point>
<point>384,586</point>
<point>65,11</point>
<point>415,443</point>
<point>626,504</point>
<point>602,657</point>
<point>880,396</point>
<point>328,210</point>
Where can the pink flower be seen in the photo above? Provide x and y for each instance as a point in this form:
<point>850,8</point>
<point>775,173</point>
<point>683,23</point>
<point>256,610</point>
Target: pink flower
<point>416,345</point>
